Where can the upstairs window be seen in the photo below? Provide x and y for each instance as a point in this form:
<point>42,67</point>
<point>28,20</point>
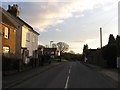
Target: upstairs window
<point>34,39</point>
<point>6,33</point>
<point>28,37</point>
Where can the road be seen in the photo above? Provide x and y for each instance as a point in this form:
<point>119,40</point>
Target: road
<point>69,75</point>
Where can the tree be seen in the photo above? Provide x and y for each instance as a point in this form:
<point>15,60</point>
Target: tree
<point>118,45</point>
<point>41,46</point>
<point>110,55</point>
<point>85,49</point>
<point>62,47</point>
<point>110,52</point>
<point>54,45</point>
<point>46,46</point>
<point>111,40</point>
<point>72,52</point>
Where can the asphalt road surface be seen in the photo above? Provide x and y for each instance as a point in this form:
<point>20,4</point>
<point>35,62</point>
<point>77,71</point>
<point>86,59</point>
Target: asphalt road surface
<point>69,75</point>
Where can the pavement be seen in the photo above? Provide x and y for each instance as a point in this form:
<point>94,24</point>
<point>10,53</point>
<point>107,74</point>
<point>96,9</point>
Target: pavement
<point>110,72</point>
<point>12,80</point>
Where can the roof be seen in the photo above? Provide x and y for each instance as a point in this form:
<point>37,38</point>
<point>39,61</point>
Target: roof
<point>92,50</point>
<point>28,26</point>
<point>17,19</point>
<point>7,14</point>
<point>50,49</point>
<point>6,20</point>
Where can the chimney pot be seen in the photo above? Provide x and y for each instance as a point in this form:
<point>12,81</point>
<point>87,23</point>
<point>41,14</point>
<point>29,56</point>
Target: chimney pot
<point>13,10</point>
<point>9,7</point>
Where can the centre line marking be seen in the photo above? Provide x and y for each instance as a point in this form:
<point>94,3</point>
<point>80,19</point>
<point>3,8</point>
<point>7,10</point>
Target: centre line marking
<point>69,71</point>
<point>66,85</point>
<point>70,66</point>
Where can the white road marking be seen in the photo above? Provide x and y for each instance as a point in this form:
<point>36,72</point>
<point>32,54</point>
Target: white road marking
<point>69,71</point>
<point>66,85</point>
<point>70,66</point>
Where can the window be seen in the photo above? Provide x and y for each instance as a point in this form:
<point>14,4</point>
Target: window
<point>6,34</point>
<point>6,51</point>
<point>52,52</point>
<point>34,39</point>
<point>28,37</point>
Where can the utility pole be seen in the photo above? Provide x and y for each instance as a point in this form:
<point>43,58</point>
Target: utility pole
<point>100,37</point>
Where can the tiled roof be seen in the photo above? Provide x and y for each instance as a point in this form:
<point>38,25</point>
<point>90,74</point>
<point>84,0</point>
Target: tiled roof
<point>28,26</point>
<point>17,19</point>
<point>6,20</point>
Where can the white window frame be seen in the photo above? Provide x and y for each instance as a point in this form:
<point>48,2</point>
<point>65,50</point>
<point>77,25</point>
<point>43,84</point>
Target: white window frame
<point>28,37</point>
<point>34,39</point>
<point>6,34</point>
<point>6,51</point>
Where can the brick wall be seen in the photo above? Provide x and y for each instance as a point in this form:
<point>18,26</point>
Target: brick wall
<point>11,41</point>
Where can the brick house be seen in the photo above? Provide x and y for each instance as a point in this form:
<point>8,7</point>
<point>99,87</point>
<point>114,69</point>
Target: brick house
<point>8,37</point>
<point>28,42</point>
<point>14,23</point>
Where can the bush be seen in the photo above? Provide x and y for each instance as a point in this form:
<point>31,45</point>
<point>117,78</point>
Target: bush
<point>110,55</point>
<point>10,64</point>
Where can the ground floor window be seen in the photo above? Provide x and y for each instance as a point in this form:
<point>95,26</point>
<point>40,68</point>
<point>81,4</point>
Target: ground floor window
<point>6,51</point>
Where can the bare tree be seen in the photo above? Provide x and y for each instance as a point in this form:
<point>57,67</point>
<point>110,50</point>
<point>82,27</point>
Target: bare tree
<point>62,47</point>
<point>54,45</point>
<point>46,46</point>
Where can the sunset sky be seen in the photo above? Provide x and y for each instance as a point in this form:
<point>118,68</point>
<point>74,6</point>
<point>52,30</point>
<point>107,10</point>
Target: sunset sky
<point>75,22</point>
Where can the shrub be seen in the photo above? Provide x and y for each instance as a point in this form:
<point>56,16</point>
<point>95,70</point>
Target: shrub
<point>9,64</point>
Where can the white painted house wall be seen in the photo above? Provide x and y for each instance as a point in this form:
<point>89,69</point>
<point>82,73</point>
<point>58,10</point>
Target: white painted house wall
<point>29,40</point>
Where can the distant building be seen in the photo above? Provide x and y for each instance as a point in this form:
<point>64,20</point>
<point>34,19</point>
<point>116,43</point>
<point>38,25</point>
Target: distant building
<point>94,56</point>
<point>53,52</point>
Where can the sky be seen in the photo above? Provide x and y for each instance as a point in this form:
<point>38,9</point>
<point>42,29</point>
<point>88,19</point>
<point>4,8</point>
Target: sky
<point>75,22</point>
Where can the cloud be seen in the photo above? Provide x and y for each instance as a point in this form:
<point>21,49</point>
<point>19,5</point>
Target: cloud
<point>58,30</point>
<point>42,15</point>
<point>78,16</point>
<point>78,41</point>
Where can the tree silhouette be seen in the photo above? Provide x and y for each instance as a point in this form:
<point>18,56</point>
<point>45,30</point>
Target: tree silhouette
<point>54,45</point>
<point>62,47</point>
<point>72,52</point>
<point>110,52</point>
<point>85,49</point>
<point>118,45</point>
<point>111,40</point>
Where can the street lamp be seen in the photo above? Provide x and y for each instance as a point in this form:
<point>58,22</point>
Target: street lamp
<point>50,44</point>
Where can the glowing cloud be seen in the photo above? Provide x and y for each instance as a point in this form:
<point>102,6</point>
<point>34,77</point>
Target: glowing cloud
<point>52,13</point>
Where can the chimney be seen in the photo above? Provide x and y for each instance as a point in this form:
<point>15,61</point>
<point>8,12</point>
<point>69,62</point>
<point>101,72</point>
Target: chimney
<point>13,10</point>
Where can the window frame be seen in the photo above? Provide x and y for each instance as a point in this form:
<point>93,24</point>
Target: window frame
<point>6,53</point>
<point>6,32</point>
<point>28,37</point>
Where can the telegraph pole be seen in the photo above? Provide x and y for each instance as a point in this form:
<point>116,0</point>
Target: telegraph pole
<point>100,37</point>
